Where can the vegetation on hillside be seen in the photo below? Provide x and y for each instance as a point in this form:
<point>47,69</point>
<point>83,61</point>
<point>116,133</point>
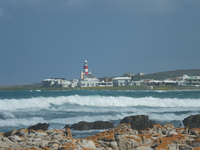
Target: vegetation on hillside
<point>169,74</point>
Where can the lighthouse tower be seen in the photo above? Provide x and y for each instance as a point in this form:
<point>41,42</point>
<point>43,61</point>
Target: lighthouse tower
<point>85,73</point>
<point>85,67</point>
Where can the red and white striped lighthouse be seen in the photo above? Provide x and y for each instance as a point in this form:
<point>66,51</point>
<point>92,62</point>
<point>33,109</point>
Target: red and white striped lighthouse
<point>85,67</point>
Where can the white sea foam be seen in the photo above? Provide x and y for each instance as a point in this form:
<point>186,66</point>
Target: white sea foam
<point>98,101</point>
<point>22,121</point>
<point>152,116</point>
<point>61,122</point>
<point>169,116</point>
<point>7,115</point>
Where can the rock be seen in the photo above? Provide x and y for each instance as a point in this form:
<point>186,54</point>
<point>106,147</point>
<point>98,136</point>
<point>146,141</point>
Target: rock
<point>11,133</point>
<point>1,135</point>
<point>195,143</point>
<point>68,132</point>
<point>87,144</point>
<point>192,121</point>
<point>195,131</point>
<point>147,140</point>
<point>22,132</point>
<point>185,147</point>
<point>66,126</point>
<point>159,137</point>
<point>113,144</point>
<point>172,133</point>
<point>54,146</point>
<point>4,145</point>
<point>81,126</point>
<point>144,148</point>
<point>39,126</point>
<point>122,142</point>
<point>37,140</point>
<point>6,140</point>
<point>102,125</point>
<point>139,122</point>
<point>15,138</point>
<point>93,125</point>
<point>40,134</point>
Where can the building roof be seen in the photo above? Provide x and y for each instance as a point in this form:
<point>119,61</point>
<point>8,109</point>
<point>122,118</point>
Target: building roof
<point>58,78</point>
<point>122,78</point>
<point>53,79</point>
<point>193,78</point>
<point>88,76</point>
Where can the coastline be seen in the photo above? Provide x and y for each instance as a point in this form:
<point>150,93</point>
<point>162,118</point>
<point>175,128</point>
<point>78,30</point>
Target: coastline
<point>114,88</point>
<point>123,136</point>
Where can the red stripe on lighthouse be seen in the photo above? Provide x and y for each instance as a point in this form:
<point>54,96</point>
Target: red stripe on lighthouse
<point>86,67</point>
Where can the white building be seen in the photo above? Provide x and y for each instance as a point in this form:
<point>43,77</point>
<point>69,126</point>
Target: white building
<point>142,74</point>
<point>102,84</point>
<point>88,82</point>
<point>56,82</point>
<point>137,83</point>
<point>122,81</point>
<point>74,83</point>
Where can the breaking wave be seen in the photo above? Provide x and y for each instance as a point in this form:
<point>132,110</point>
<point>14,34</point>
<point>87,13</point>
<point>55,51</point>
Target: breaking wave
<point>96,101</point>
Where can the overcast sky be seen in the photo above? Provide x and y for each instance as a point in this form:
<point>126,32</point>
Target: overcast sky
<point>41,39</point>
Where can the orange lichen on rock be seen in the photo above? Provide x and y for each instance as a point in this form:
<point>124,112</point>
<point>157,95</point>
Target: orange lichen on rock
<point>45,148</point>
<point>174,139</point>
<point>157,126</point>
<point>68,132</point>
<point>168,125</point>
<point>180,130</point>
<point>1,133</point>
<point>23,130</point>
<point>133,137</point>
<point>195,131</point>
<point>55,130</point>
<point>162,146</point>
<point>107,136</point>
<point>33,148</point>
<point>68,146</point>
<point>97,145</point>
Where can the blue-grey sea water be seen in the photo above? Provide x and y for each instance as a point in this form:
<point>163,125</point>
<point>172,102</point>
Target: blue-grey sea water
<point>21,109</point>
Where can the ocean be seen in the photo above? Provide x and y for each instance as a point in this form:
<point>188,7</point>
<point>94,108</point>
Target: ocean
<point>21,109</point>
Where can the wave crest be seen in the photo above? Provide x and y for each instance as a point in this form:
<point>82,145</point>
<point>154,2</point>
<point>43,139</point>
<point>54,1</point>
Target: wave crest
<point>97,101</point>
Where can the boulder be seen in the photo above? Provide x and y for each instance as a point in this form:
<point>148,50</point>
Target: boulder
<point>93,125</point>
<point>139,122</point>
<point>39,126</point>
<point>66,126</point>
<point>192,121</point>
<point>11,133</point>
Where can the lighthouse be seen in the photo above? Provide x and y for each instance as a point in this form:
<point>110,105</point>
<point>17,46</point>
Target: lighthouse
<point>85,73</point>
<point>85,67</point>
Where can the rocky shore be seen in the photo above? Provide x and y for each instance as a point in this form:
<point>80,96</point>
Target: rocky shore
<point>133,133</point>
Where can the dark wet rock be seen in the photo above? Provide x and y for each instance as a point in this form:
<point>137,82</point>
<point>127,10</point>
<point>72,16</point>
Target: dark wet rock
<point>139,122</point>
<point>13,132</point>
<point>66,126</point>
<point>192,121</point>
<point>39,126</point>
<point>93,125</point>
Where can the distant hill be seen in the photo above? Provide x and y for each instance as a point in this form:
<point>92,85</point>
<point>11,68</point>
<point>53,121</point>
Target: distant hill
<point>169,74</point>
